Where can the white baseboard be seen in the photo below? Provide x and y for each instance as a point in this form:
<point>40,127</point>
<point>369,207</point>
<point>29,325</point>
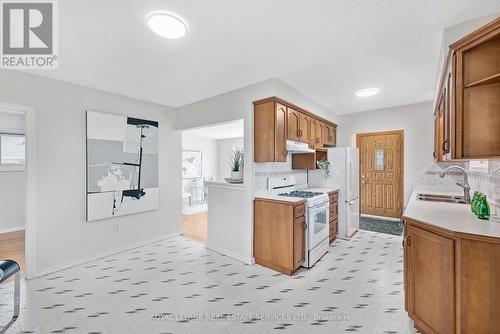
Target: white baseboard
<point>381,217</point>
<point>12,229</point>
<point>232,255</point>
<point>71,264</point>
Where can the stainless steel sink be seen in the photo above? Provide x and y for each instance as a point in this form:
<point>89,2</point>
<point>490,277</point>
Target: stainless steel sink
<point>441,198</point>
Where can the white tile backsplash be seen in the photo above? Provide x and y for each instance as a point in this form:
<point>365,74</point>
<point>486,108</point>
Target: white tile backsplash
<point>263,170</point>
<point>488,184</point>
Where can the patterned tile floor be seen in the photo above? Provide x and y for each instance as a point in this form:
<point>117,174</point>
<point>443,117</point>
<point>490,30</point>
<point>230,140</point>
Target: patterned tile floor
<point>173,286</point>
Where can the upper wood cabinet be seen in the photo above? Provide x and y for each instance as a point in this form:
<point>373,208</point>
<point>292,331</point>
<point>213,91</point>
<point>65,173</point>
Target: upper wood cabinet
<point>298,126</point>
<point>320,132</point>
<point>270,121</point>
<point>304,127</point>
<point>293,125</point>
<point>276,121</point>
<point>329,135</point>
<point>468,103</point>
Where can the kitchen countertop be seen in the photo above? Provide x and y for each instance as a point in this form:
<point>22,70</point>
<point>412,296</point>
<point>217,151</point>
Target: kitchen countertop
<point>453,217</point>
<point>265,195</point>
<point>225,185</point>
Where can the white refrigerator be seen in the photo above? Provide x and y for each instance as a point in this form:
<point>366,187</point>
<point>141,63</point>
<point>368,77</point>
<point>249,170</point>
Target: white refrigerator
<point>344,175</point>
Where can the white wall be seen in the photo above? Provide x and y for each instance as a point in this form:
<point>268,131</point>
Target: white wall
<point>418,124</point>
<point>234,105</point>
<point>12,182</point>
<point>224,152</point>
<point>62,235</point>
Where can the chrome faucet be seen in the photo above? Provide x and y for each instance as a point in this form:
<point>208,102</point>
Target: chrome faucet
<point>465,186</point>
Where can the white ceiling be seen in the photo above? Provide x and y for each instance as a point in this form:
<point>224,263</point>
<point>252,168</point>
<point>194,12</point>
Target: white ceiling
<point>217,132</point>
<point>327,49</point>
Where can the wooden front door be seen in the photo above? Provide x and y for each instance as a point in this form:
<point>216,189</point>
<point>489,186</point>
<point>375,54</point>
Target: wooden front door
<point>381,173</point>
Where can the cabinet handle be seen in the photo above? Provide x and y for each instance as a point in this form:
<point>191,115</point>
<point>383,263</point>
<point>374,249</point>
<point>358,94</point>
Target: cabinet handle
<point>285,152</point>
<point>406,242</point>
<point>445,146</point>
<point>305,226</point>
<point>434,154</point>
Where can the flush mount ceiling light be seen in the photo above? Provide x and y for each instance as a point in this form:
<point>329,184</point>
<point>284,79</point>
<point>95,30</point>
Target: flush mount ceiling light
<point>167,25</point>
<point>367,92</point>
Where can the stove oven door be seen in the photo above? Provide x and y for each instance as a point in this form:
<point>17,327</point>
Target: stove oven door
<point>317,224</point>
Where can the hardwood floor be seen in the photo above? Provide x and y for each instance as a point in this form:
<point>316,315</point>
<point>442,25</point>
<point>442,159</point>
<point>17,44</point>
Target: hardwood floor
<point>12,248</point>
<point>194,226</point>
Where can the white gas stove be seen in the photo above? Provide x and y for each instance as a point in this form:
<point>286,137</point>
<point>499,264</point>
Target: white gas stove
<point>317,215</point>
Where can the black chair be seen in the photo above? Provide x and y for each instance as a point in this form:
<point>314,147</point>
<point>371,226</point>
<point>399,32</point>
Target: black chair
<point>8,268</point>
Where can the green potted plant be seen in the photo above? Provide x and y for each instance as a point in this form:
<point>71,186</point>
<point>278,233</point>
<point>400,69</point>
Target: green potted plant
<point>236,162</point>
<point>324,165</point>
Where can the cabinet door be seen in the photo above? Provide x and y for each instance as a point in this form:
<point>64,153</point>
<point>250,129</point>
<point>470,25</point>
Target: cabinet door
<point>313,138</point>
<point>280,133</point>
<point>320,131</point>
<point>293,124</point>
<point>299,241</point>
<point>304,125</point>
<point>439,134</point>
<point>329,135</point>
<point>429,280</point>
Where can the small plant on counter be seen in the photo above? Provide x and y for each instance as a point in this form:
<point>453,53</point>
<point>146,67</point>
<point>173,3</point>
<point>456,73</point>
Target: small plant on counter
<point>324,165</point>
<point>236,162</point>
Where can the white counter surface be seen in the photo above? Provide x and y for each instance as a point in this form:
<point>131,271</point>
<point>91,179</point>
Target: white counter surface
<point>225,184</point>
<point>449,216</point>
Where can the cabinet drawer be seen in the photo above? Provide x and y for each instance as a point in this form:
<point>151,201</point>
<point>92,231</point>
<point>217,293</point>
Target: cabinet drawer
<point>334,197</point>
<point>333,211</point>
<point>299,211</point>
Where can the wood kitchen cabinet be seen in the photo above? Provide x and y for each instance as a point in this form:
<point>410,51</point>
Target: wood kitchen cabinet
<point>279,234</point>
<point>468,100</point>
<point>270,119</point>
<point>298,126</point>
<point>429,264</point>
<point>451,280</point>
<point>333,215</point>
<point>276,121</point>
<point>329,135</point>
<point>293,129</point>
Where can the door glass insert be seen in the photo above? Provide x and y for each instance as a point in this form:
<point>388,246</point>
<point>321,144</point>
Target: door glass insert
<point>320,222</point>
<point>379,159</point>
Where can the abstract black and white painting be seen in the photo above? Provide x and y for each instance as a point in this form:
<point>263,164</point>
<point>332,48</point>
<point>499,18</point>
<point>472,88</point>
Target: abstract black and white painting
<point>122,165</point>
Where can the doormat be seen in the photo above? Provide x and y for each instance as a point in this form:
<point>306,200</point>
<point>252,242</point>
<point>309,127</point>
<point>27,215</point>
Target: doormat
<point>381,225</point>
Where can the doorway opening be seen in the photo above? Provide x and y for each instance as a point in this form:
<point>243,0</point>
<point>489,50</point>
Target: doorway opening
<point>381,159</point>
<point>206,157</point>
<point>13,185</point>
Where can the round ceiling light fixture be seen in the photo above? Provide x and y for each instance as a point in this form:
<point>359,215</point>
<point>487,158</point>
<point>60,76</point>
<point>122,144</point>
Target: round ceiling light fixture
<point>167,25</point>
<point>367,92</point>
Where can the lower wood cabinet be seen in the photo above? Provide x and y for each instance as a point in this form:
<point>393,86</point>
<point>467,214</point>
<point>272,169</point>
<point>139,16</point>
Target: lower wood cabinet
<point>279,235</point>
<point>430,289</point>
<point>333,215</point>
<point>451,280</point>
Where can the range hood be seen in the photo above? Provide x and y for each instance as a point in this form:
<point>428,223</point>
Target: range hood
<point>298,147</point>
